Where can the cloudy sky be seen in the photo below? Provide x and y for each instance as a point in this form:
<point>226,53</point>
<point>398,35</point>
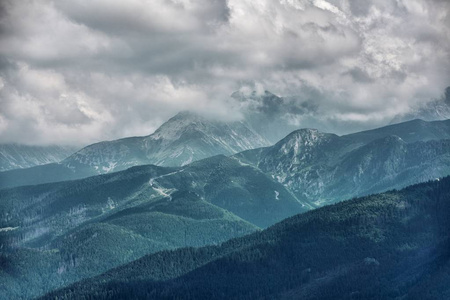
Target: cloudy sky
<point>81,71</point>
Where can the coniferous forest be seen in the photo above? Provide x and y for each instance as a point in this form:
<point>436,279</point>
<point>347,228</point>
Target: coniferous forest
<point>384,246</point>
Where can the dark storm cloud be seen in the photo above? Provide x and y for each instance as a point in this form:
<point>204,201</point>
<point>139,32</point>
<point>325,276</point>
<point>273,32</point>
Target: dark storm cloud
<point>83,71</point>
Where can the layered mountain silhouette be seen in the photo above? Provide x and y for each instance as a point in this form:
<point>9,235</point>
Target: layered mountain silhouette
<point>58,222</point>
<point>185,138</point>
<point>385,246</point>
<point>318,168</point>
<point>326,168</point>
<point>81,228</point>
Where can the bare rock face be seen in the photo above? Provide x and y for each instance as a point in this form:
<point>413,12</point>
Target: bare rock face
<point>15,156</point>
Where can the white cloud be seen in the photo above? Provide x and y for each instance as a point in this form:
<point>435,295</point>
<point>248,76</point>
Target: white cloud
<point>82,71</point>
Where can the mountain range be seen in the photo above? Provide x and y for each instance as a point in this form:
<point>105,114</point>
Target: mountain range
<point>188,137</point>
<point>185,138</point>
<point>81,228</point>
<point>197,182</point>
<point>315,166</point>
<point>325,168</point>
<point>393,245</point>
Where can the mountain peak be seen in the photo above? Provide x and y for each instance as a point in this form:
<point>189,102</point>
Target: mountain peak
<point>303,131</point>
<point>300,147</point>
<point>175,126</point>
<point>307,135</point>
<point>185,114</point>
<point>190,137</point>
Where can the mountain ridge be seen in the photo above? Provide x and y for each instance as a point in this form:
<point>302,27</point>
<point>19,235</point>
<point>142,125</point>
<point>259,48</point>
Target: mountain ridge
<point>72,226</point>
<point>184,138</point>
<point>387,246</point>
<point>17,156</point>
<point>326,168</point>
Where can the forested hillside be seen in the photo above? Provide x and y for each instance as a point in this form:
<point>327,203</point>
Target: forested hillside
<point>385,246</point>
<point>77,229</point>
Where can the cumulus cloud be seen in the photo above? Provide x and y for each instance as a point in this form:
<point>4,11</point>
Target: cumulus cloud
<point>76,72</point>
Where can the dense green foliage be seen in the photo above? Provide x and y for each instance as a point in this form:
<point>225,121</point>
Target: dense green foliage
<point>82,228</point>
<point>384,246</point>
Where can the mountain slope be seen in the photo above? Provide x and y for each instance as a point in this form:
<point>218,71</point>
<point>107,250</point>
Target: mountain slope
<point>14,156</point>
<point>385,246</point>
<point>410,131</point>
<point>75,225</point>
<point>325,168</point>
<point>220,181</point>
<point>389,163</point>
<point>185,138</point>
